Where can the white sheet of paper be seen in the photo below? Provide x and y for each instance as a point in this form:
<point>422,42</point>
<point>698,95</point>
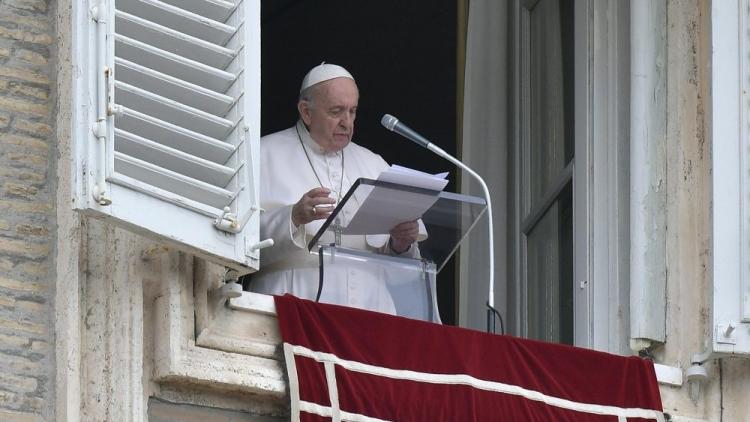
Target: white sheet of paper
<point>384,208</point>
<point>411,177</point>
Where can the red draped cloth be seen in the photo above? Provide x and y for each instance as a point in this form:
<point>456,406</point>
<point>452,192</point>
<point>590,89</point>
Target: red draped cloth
<point>347,364</point>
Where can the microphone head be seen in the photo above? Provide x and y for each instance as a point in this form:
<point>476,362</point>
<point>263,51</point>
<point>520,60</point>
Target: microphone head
<point>388,121</point>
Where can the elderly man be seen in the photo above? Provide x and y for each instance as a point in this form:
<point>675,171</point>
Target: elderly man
<point>305,170</point>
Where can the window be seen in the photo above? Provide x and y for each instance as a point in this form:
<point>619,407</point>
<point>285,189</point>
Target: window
<point>568,190</point>
<point>544,171</point>
<point>167,121</point>
<point>546,123</point>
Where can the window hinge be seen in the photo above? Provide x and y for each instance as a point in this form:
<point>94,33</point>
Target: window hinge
<point>99,190</point>
<point>229,222</point>
<point>97,11</point>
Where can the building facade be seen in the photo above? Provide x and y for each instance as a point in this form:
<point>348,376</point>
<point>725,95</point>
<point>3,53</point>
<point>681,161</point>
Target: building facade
<point>105,321</point>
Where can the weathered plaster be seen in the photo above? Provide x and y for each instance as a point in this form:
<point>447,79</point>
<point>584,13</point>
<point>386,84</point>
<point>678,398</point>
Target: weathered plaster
<point>688,228</point>
<point>68,247</point>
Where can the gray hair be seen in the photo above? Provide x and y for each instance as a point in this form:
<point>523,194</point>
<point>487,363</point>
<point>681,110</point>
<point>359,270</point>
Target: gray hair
<point>308,94</point>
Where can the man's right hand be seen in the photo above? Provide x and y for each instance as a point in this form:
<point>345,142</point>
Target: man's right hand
<point>314,205</point>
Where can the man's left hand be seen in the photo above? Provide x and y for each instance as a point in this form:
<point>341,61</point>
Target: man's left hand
<point>403,235</point>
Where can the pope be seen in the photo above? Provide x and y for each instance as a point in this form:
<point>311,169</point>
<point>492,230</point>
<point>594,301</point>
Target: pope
<point>305,171</point>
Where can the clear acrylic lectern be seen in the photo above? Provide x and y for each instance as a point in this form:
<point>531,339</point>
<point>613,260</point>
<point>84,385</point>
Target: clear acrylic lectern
<point>368,211</point>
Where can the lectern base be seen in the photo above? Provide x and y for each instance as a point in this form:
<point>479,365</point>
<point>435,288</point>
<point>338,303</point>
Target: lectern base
<point>401,286</point>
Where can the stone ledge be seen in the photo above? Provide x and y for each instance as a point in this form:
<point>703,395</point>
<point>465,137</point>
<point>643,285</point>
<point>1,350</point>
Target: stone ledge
<point>240,363</point>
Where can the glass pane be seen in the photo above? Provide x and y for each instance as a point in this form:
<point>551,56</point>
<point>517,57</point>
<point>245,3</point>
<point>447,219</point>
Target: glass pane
<point>400,286</point>
<point>549,263</point>
<point>550,104</point>
<point>565,236</point>
<point>542,278</point>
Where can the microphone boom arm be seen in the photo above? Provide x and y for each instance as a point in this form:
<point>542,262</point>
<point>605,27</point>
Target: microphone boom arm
<point>491,294</point>
<point>391,123</point>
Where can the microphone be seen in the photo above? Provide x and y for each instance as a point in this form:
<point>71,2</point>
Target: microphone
<point>391,123</point>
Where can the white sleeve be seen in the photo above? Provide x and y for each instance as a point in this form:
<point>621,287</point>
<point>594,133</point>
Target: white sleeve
<point>412,252</point>
<point>277,225</point>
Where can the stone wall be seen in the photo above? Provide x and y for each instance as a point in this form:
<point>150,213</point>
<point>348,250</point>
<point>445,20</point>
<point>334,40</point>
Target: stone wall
<point>689,283</point>
<point>34,222</point>
<point>27,217</point>
<point>688,233</point>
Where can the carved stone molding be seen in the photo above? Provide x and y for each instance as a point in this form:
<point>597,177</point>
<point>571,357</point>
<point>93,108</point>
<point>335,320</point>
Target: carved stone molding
<point>234,351</point>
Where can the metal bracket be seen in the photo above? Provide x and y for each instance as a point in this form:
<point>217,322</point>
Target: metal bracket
<point>697,373</point>
<point>95,11</point>
<point>229,289</point>
<point>725,333</point>
<point>100,129</point>
<point>701,358</point>
<point>267,243</point>
<point>229,222</point>
<point>100,195</point>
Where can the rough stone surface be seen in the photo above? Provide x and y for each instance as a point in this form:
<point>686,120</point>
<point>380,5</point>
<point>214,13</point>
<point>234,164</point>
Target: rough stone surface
<point>31,57</point>
<point>24,75</point>
<point>18,190</point>
<point>26,198</point>
<point>18,417</point>
<point>39,129</point>
<point>4,120</point>
<point>33,5</point>
<point>689,282</point>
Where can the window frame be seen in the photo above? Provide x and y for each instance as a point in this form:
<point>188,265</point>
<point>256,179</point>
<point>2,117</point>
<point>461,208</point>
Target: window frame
<point>529,214</point>
<point>600,177</point>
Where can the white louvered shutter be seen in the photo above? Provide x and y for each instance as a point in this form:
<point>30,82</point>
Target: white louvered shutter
<point>182,122</point>
<point>730,88</point>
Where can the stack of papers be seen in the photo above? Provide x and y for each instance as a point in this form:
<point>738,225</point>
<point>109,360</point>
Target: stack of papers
<point>416,178</point>
<point>381,209</point>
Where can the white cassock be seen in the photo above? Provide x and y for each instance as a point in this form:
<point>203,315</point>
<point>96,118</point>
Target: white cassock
<point>288,267</point>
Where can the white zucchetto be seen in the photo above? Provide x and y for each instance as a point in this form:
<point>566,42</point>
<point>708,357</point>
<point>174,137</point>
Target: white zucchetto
<point>324,72</point>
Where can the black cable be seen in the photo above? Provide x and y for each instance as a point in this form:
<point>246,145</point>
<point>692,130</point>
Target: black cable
<point>320,273</point>
<point>491,313</point>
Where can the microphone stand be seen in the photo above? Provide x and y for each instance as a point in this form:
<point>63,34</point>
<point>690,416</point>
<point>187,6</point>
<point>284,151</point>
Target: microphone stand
<point>392,124</point>
<point>491,294</point>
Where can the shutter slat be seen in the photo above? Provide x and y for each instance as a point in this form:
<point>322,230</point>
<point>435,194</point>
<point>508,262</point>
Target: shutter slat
<point>218,10</point>
<point>171,111</point>
<point>170,87</point>
<point>174,136</point>
<point>171,181</point>
<point>172,159</point>
<point>180,19</point>
<point>173,41</point>
<point>173,64</point>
